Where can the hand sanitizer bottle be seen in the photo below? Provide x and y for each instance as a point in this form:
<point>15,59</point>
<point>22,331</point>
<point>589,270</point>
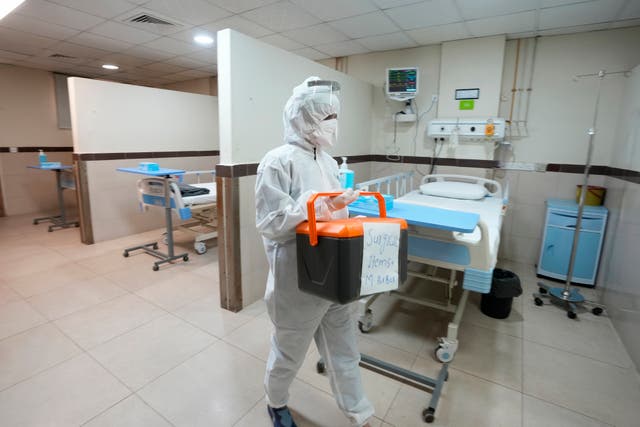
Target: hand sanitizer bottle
<point>42,157</point>
<point>346,175</point>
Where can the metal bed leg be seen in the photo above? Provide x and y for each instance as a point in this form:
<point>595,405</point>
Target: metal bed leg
<point>58,221</point>
<point>151,248</point>
<point>448,346</point>
<point>408,377</point>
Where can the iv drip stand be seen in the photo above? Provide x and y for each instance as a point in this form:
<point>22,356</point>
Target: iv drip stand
<point>567,296</point>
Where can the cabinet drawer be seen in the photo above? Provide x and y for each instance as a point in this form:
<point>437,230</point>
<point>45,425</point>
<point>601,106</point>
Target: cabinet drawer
<point>568,220</point>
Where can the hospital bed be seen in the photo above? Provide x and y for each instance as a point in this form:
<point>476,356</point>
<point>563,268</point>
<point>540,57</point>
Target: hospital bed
<point>197,212</point>
<point>439,245</point>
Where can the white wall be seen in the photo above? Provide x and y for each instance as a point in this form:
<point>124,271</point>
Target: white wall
<point>255,80</point>
<point>473,63</point>
<point>371,68</point>
<point>112,117</point>
<point>619,275</point>
<point>561,110</point>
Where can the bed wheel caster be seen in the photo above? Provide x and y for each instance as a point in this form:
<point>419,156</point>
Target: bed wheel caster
<point>200,247</point>
<point>50,229</point>
<point>542,291</point>
<point>155,268</point>
<point>429,415</point>
<point>185,258</point>
<point>366,321</point>
<point>597,311</point>
<point>538,301</point>
<point>571,315</point>
<point>443,355</point>
<point>125,254</point>
<point>320,368</point>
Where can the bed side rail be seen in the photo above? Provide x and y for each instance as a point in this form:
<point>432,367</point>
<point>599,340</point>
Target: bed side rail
<point>397,185</point>
<point>204,175</point>
<point>493,187</point>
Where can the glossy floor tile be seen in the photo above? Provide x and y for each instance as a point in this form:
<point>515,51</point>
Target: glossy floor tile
<point>88,337</point>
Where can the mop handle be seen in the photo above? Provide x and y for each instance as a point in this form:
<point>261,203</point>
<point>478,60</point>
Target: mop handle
<point>311,212</point>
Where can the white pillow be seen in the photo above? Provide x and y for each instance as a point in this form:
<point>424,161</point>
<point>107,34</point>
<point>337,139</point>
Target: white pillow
<point>454,190</point>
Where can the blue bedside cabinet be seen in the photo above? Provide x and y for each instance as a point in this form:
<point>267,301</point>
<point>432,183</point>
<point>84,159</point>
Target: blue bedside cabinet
<point>559,229</point>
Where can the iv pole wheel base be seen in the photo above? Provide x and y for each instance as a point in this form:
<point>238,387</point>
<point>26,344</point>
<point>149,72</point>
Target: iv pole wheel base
<point>538,301</point>
<point>574,295</point>
<point>571,315</point>
<point>429,415</point>
<point>155,268</point>
<point>320,368</point>
<point>597,311</point>
<point>125,254</point>
<point>542,290</point>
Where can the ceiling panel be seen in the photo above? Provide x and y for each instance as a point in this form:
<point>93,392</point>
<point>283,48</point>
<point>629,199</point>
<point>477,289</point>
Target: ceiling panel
<point>19,42</point>
<point>189,75</point>
<point>311,53</point>
<point>625,23</point>
<point>439,33</point>
<point>125,60</point>
<point>387,42</point>
<point>105,9</point>
<point>424,14</point>
<point>239,6</point>
<point>205,55</point>
<point>386,4</point>
<point>506,24</point>
<point>56,14</point>
<point>474,9</point>
<point>579,14</point>
<point>315,35</point>
<point>163,67</point>
<point>148,53</point>
<point>281,16</point>
<point>631,10</point>
<point>282,42</point>
<point>10,56</point>
<point>576,29</point>
<point>35,26</point>
<point>186,62</point>
<point>118,31</point>
<point>330,10</point>
<point>173,46</point>
<point>240,24</point>
<point>553,3</point>
<point>46,64</point>
<point>345,48</point>
<point>371,24</point>
<point>101,42</point>
<point>195,12</point>
<point>78,51</point>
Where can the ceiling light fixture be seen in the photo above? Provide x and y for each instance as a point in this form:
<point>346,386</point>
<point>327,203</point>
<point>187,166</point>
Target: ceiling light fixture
<point>203,39</point>
<point>110,67</point>
<point>7,6</point>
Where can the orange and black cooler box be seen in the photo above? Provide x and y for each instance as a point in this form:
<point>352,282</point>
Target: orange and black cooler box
<point>330,253</point>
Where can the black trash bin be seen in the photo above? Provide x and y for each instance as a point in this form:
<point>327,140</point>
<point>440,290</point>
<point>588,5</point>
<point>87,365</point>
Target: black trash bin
<point>504,287</point>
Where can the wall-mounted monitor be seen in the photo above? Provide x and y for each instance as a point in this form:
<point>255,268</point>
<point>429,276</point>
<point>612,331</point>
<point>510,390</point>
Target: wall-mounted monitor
<point>402,83</point>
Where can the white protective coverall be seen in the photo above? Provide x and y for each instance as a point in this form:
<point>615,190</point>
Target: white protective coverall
<point>287,176</point>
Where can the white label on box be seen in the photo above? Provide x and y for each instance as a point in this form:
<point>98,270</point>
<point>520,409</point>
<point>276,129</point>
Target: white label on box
<point>380,258</point>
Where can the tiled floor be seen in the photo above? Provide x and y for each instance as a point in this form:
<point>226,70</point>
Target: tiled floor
<point>88,337</point>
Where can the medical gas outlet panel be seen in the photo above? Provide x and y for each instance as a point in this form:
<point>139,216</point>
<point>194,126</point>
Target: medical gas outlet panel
<point>467,129</point>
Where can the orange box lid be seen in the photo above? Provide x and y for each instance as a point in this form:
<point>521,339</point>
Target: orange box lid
<point>344,228</point>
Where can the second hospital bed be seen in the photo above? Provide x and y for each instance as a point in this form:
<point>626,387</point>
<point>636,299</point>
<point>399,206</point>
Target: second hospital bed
<point>432,250</point>
<point>197,212</point>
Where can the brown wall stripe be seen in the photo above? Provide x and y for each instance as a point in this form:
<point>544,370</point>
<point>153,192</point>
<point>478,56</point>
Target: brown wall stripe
<point>36,149</point>
<point>143,155</point>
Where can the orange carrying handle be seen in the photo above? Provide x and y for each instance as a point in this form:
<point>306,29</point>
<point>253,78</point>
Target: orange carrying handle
<point>311,211</point>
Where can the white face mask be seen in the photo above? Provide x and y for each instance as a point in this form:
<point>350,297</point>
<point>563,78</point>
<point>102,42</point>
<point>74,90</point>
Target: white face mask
<point>327,133</point>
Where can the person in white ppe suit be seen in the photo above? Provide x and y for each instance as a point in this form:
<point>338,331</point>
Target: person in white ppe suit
<point>287,176</point>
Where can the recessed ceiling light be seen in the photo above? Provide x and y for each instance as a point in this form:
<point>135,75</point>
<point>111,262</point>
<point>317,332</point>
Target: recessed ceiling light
<point>203,39</point>
<point>6,6</point>
<point>110,67</point>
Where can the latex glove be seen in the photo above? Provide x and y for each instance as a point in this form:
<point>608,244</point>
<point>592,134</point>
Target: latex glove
<point>340,202</point>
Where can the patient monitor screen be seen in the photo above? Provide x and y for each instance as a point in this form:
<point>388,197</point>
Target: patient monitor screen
<point>402,81</point>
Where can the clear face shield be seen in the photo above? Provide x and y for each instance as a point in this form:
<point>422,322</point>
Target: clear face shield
<point>323,106</point>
